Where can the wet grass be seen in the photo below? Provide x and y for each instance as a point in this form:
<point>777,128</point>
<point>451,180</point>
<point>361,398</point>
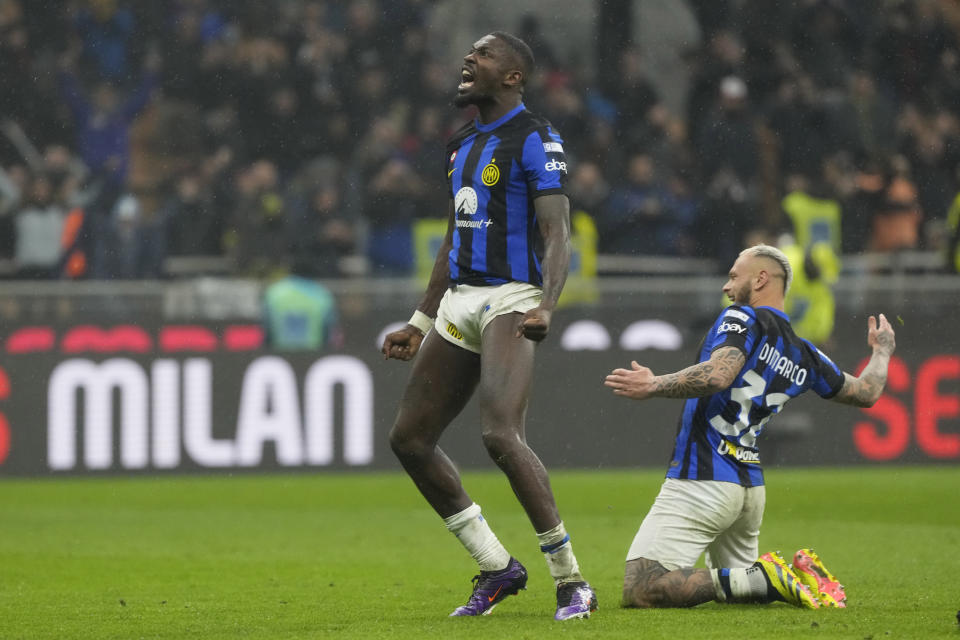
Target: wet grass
<point>361,556</point>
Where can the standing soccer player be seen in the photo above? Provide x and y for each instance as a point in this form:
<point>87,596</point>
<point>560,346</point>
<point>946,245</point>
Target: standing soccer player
<point>751,363</point>
<point>494,285</point>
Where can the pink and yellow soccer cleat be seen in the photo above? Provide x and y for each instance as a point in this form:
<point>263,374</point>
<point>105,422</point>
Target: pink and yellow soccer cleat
<point>783,584</point>
<point>822,584</point>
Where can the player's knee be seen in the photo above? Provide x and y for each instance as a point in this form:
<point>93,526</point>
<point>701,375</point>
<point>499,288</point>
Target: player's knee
<point>405,445</point>
<point>500,445</point>
<point>642,587</point>
<point>399,443</point>
<point>637,595</point>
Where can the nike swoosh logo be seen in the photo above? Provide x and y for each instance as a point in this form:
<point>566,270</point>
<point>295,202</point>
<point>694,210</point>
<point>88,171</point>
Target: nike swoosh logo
<point>450,173</point>
<point>494,596</point>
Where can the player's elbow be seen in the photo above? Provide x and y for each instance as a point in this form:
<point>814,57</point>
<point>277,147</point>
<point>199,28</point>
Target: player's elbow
<point>860,399</point>
<point>718,382</point>
<point>870,400</point>
<point>714,387</point>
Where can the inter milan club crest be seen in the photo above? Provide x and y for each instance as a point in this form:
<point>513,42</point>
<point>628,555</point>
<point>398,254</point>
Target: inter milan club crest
<point>490,174</point>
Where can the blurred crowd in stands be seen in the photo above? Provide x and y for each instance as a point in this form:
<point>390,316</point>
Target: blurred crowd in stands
<point>308,135</point>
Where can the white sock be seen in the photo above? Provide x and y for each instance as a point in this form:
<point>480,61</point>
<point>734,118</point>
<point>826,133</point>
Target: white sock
<point>475,534</point>
<point>740,585</point>
<point>558,551</point>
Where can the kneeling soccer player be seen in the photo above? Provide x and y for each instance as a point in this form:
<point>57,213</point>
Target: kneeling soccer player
<point>712,500</point>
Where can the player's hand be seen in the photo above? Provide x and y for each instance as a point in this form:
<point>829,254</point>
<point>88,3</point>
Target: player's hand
<point>402,344</point>
<point>636,382</point>
<point>880,335</point>
<point>535,324</point>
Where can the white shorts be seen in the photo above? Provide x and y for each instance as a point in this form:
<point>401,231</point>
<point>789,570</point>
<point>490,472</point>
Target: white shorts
<point>466,310</point>
<point>690,517</point>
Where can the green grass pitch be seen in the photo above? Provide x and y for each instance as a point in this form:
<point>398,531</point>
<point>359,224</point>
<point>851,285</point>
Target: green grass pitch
<point>362,556</point>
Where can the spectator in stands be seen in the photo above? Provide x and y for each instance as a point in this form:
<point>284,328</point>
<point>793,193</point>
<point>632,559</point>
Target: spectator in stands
<point>531,32</point>
<point>726,140</point>
<point>564,107</point>
<point>911,38</point>
<point>602,147</point>
<point>728,213</point>
<point>304,79</point>
<point>636,219</point>
<point>810,302</point>
<point>392,203</point>
<point>683,208</point>
<point>664,138</point>
<point>588,190</point>
<point>432,87</point>
<point>103,119</point>
<point>931,144</point>
<point>827,41</point>
<point>38,228</point>
<point>66,173</point>
<point>23,101</point>
<point>871,117</point>
<point>256,235</point>
<point>721,57</point>
<point>859,203</point>
<point>322,235</point>
<point>192,28</point>
<point>424,144</point>
<point>389,198</point>
<point>194,222</point>
<point>262,69</point>
<point>11,190</point>
<point>108,31</point>
<point>896,223</point>
<point>813,213</point>
<point>131,244</point>
<point>638,95</point>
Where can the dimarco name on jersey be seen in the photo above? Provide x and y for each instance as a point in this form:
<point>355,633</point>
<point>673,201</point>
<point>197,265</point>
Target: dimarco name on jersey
<point>782,365</point>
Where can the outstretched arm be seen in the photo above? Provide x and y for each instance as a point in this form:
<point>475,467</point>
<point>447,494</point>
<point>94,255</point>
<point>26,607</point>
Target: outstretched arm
<point>405,343</point>
<point>553,218</point>
<point>864,390</point>
<point>701,379</point>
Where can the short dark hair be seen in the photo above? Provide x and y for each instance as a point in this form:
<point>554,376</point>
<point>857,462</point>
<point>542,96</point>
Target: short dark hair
<point>521,49</point>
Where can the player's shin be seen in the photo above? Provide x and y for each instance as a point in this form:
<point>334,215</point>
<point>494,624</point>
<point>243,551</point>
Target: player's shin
<point>556,548</point>
<point>740,585</point>
<point>475,534</point>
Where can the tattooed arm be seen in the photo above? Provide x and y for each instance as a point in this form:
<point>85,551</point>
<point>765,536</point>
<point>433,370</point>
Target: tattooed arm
<point>864,390</point>
<point>701,379</point>
<point>647,584</point>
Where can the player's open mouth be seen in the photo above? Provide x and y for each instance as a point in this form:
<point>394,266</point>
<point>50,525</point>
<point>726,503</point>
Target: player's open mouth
<point>466,78</point>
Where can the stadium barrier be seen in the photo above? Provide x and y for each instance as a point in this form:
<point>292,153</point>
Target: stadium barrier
<point>174,377</point>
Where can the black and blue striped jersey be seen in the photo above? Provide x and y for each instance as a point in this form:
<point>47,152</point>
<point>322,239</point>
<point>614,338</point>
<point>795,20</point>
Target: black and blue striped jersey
<point>494,173</point>
<point>717,435</point>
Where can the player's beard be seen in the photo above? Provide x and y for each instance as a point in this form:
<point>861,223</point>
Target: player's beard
<point>462,100</point>
<point>741,296</point>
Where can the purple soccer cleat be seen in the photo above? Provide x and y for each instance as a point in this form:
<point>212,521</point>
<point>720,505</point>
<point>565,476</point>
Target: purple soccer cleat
<point>575,600</point>
<point>490,587</point>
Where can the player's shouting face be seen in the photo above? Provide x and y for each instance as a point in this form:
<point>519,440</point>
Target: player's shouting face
<point>489,68</point>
